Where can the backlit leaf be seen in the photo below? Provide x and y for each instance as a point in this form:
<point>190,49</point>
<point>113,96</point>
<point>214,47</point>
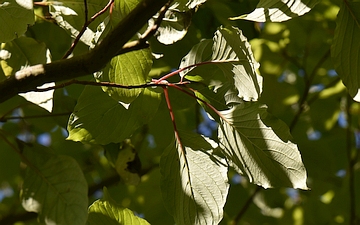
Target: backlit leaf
<point>225,64</point>
<point>258,145</point>
<point>103,212</point>
<point>55,187</point>
<point>174,25</point>
<point>21,54</point>
<point>279,10</point>
<point>194,182</point>
<point>70,15</point>
<point>99,118</point>
<point>15,17</point>
<point>346,47</point>
<point>127,69</point>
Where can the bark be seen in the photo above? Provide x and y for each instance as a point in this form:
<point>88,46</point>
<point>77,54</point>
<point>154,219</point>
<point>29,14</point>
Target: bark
<point>29,78</point>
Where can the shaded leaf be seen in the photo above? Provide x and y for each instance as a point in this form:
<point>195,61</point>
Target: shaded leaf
<point>70,15</point>
<point>15,17</point>
<point>258,145</point>
<point>119,10</point>
<point>55,187</point>
<point>131,68</point>
<point>20,54</point>
<point>226,65</point>
<point>103,212</point>
<point>99,118</point>
<point>123,157</point>
<point>345,47</point>
<point>174,25</point>
<point>278,10</point>
<point>194,182</point>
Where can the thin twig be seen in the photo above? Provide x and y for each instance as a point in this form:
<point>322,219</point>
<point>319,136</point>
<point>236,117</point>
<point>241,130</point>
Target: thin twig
<point>142,41</point>
<point>351,162</point>
<point>86,10</point>
<point>106,84</point>
<point>308,81</point>
<point>5,119</point>
<point>246,206</point>
<point>86,24</point>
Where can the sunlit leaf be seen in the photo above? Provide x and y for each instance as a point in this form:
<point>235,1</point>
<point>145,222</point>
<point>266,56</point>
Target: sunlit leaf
<point>189,4</point>
<point>103,212</point>
<point>127,69</point>
<point>194,183</point>
<point>173,27</point>
<point>55,187</point>
<point>70,15</point>
<point>346,47</point>
<point>225,64</point>
<point>99,118</point>
<point>15,17</point>
<point>258,145</point>
<point>279,10</point>
<point>19,54</point>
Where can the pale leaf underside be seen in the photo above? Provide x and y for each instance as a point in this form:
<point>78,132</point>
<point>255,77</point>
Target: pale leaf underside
<point>194,186</point>
<point>258,146</point>
<point>278,10</point>
<point>236,66</point>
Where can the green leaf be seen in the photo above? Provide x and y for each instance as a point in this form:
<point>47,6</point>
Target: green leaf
<point>123,157</point>
<point>278,10</point>
<point>70,15</point>
<point>258,145</point>
<point>174,25</point>
<point>188,4</point>
<point>226,65</point>
<point>345,47</point>
<point>15,17</point>
<point>131,68</point>
<point>118,11</point>
<point>21,53</point>
<point>103,212</point>
<point>55,187</point>
<point>194,182</point>
<point>99,118</point>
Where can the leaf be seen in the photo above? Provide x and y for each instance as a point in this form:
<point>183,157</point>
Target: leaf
<point>174,25</point>
<point>226,65</point>
<point>55,187</point>
<point>345,47</point>
<point>194,182</point>
<point>70,14</point>
<point>278,10</point>
<point>15,17</point>
<point>119,10</point>
<point>19,54</point>
<point>189,4</point>
<point>103,212</point>
<point>258,145</point>
<point>123,157</point>
<point>131,68</point>
<point>100,119</point>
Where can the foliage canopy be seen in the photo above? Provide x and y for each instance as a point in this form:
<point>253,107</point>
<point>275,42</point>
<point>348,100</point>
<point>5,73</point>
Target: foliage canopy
<point>156,111</point>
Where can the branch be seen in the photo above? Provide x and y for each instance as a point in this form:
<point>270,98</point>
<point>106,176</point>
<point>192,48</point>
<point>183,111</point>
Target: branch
<point>86,24</point>
<point>34,76</point>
